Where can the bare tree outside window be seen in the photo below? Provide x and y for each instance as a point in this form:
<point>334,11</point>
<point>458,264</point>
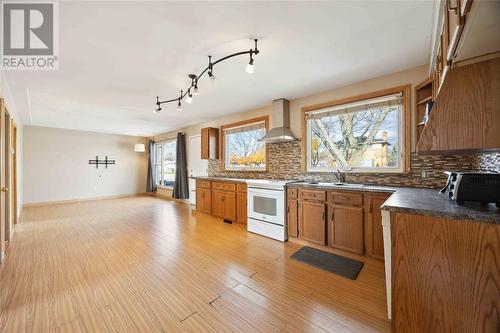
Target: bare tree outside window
<point>244,150</point>
<point>362,139</point>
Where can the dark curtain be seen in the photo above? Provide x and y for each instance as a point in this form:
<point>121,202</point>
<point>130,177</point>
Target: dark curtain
<point>150,185</point>
<point>181,188</point>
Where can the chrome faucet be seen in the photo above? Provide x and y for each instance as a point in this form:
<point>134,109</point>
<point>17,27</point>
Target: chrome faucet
<point>339,175</point>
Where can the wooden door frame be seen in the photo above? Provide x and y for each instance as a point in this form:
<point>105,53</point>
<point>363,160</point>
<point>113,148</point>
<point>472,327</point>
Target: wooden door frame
<point>14,170</point>
<point>7,173</point>
<point>2,179</point>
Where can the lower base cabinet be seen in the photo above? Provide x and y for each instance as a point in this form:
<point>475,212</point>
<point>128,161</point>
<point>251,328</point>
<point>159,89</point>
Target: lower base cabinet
<point>241,207</point>
<point>312,226</point>
<point>292,218</point>
<point>204,200</point>
<point>346,220</point>
<point>374,240</point>
<point>224,204</point>
<point>345,228</point>
<point>226,200</point>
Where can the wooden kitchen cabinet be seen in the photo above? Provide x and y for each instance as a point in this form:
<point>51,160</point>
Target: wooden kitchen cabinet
<point>241,206</point>
<point>444,274</point>
<point>345,227</point>
<point>204,200</point>
<point>312,225</point>
<point>292,218</point>
<point>224,204</point>
<point>209,143</point>
<point>374,242</point>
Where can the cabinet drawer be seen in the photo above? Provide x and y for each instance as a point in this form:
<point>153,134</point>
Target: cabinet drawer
<point>241,187</point>
<point>346,198</point>
<point>292,193</point>
<point>203,183</point>
<point>315,195</point>
<point>224,186</point>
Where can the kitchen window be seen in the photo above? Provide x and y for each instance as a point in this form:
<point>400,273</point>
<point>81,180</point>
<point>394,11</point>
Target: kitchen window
<point>165,163</point>
<point>242,148</point>
<point>361,135</point>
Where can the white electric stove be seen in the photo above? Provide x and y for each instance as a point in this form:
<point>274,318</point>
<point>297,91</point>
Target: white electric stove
<point>266,207</point>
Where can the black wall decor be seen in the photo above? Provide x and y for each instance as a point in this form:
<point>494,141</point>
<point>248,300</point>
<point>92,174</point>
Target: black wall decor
<point>104,162</point>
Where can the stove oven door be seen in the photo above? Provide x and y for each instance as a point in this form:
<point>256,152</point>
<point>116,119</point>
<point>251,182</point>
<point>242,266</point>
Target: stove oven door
<point>266,205</point>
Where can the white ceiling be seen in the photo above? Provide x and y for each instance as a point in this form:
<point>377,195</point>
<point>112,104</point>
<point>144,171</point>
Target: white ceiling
<point>115,57</point>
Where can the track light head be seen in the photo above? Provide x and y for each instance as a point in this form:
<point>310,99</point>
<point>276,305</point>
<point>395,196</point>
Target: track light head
<point>158,108</point>
<point>195,90</point>
<point>250,67</point>
<point>189,99</point>
<point>179,105</point>
<point>211,75</point>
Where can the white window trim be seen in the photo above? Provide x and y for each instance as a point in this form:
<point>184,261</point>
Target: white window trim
<point>226,150</point>
<point>401,147</point>
<point>160,185</point>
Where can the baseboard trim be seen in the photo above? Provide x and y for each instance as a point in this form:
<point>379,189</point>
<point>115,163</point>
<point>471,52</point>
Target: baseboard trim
<point>49,203</point>
<point>167,197</point>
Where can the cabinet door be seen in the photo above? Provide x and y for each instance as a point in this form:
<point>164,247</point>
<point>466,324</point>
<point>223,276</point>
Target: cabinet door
<point>312,222</point>
<point>292,218</point>
<point>345,228</point>
<point>374,241</point>
<point>229,199</point>
<point>205,152</point>
<point>203,200</point>
<point>241,207</point>
<point>209,143</point>
<point>218,203</point>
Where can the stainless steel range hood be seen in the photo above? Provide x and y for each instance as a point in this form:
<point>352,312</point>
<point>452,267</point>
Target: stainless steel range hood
<point>280,123</point>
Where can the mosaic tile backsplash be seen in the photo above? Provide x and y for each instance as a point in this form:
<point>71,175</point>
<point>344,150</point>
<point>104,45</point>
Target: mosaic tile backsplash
<point>425,170</point>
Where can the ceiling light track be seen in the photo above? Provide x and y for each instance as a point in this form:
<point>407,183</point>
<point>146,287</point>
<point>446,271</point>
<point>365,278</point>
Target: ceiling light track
<point>192,90</point>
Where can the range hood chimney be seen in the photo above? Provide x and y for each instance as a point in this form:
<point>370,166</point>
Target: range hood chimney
<point>280,123</point>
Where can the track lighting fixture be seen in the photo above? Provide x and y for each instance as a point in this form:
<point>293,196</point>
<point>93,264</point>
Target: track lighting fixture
<point>193,89</point>
<point>210,68</point>
<point>179,105</point>
<point>158,107</point>
<point>194,84</point>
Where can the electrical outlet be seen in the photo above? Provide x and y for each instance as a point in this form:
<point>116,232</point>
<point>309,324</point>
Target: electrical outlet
<point>423,174</point>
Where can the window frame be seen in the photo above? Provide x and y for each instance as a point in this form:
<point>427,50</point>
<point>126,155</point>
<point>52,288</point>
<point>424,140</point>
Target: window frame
<point>247,122</point>
<point>160,163</point>
<point>404,133</point>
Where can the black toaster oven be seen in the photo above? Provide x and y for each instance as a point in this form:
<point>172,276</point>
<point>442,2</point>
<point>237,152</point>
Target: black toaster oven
<point>473,186</point>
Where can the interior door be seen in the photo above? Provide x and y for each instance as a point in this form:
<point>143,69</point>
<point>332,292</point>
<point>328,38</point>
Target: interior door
<point>196,166</point>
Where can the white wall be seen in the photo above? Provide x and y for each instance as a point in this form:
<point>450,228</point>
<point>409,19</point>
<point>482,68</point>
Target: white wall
<point>56,165</point>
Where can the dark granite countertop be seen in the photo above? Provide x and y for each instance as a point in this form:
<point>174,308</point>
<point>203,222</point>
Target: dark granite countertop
<point>421,201</point>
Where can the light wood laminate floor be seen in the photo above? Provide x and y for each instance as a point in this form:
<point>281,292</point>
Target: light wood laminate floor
<point>144,264</point>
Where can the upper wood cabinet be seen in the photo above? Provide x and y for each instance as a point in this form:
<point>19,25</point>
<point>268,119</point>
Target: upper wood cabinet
<point>209,143</point>
<point>465,115</point>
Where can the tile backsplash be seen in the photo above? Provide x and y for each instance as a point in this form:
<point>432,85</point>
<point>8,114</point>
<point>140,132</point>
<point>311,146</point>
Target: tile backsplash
<point>425,170</point>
